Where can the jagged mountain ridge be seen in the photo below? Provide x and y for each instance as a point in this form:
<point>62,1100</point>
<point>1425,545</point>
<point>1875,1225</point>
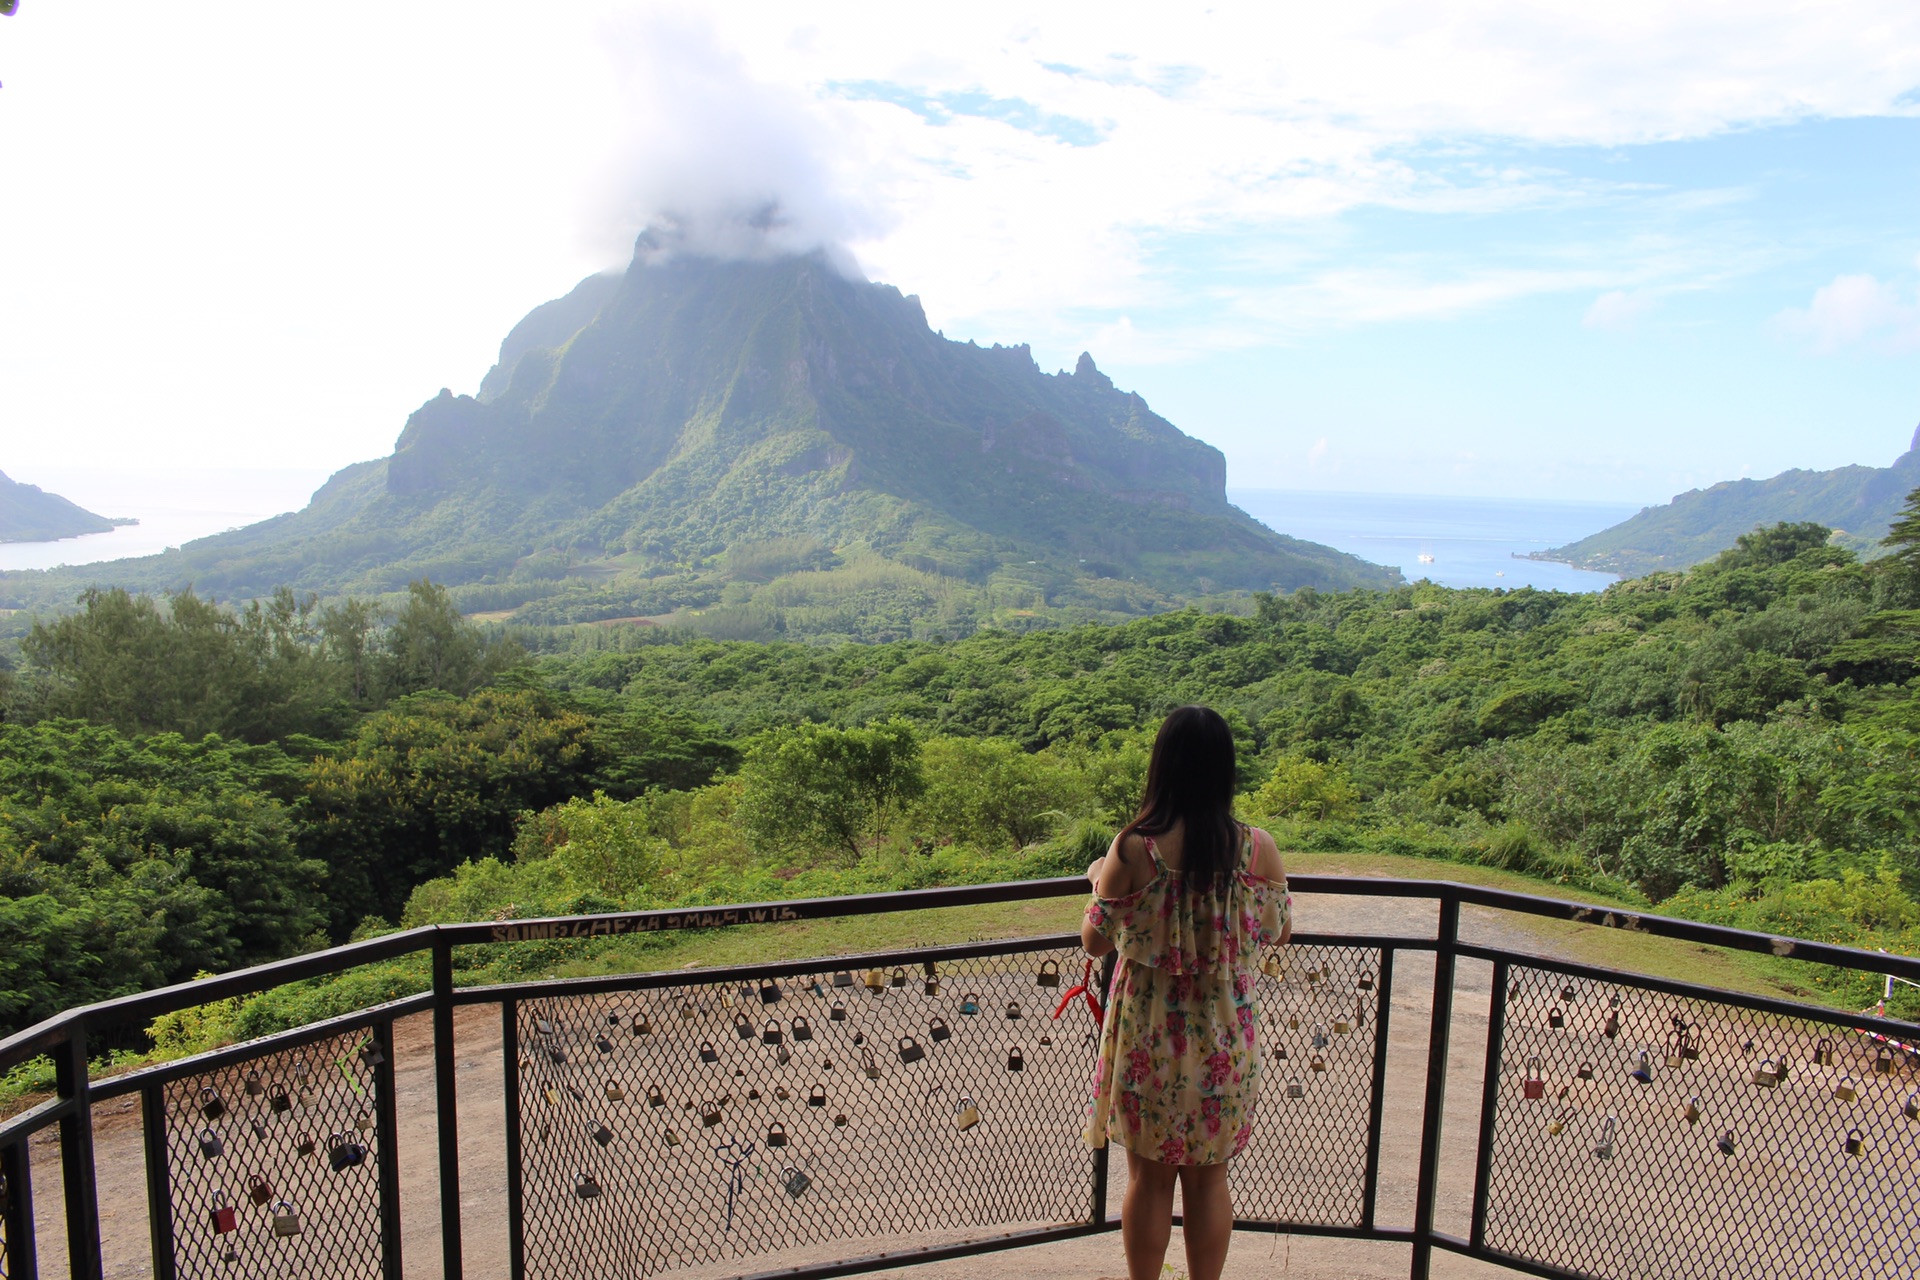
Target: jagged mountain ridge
<point>1859,503</point>
<point>660,421</point>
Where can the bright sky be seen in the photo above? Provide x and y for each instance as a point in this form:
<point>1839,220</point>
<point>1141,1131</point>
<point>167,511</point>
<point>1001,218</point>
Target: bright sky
<point>1489,247</point>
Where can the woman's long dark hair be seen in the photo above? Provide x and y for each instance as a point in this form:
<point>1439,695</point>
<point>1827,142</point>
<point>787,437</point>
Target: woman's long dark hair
<point>1190,780</point>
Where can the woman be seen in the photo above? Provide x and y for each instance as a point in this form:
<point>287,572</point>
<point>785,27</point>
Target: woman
<point>1187,896</point>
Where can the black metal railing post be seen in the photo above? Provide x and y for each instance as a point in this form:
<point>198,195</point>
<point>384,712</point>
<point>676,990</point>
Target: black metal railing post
<point>22,1260</point>
<point>1434,1105</point>
<point>447,1120</point>
<point>153,1124</point>
<point>76,1156</point>
<point>1102,1163</point>
<point>510,1091</point>
<point>1377,1119</point>
<point>386,1119</point>
<point>1489,1101</point>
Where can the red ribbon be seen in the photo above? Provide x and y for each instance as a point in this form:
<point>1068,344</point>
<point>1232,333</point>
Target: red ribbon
<point>1084,989</point>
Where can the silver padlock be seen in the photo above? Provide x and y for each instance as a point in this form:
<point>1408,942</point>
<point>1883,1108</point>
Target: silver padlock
<point>795,1181</point>
<point>285,1221</point>
<point>1604,1148</point>
<point>1296,1090</point>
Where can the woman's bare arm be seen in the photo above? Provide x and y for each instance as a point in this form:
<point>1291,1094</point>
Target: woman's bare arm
<point>1268,865</point>
<point>1115,876</point>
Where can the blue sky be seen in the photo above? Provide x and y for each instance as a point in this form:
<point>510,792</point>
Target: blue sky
<point>1550,249</point>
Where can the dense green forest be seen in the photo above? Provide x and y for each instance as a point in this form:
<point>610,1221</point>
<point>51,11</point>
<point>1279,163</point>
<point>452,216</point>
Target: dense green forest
<point>186,787</point>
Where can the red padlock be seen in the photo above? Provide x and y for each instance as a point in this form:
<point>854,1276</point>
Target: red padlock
<point>1534,1087</point>
<point>224,1219</point>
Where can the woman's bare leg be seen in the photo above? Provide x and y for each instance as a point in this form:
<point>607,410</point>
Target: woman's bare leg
<point>1206,1219</point>
<point>1146,1216</point>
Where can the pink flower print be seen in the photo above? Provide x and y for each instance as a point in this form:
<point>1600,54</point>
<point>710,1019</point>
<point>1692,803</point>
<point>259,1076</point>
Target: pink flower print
<point>1180,988</point>
<point>1130,1108</point>
<point>1241,1138</point>
<point>1139,1067</point>
<point>1219,923</point>
<point>1242,984</point>
<point>1177,1032</point>
<point>1210,1115</point>
<point>1173,1151</point>
<point>1247,1024</point>
<point>1219,1067</point>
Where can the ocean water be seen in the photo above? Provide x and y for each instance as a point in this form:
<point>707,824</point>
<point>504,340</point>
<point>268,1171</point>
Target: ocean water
<point>1473,541</point>
<point>172,506</point>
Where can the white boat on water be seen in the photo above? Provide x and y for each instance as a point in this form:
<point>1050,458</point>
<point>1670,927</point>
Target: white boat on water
<point>1424,558</point>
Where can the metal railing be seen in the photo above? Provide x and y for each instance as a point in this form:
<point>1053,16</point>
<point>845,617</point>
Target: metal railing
<point>829,1116</point>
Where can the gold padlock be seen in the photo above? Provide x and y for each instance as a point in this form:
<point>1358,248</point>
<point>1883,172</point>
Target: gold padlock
<point>673,1137</point>
<point>1272,967</point>
<point>876,980</point>
<point>1693,1110</point>
<point>967,1115</point>
<point>616,1092</point>
<point>1558,1124</point>
<point>1318,1063</point>
<point>1341,1026</point>
<point>286,1222</point>
<point>1293,1022</point>
<point>1845,1091</point>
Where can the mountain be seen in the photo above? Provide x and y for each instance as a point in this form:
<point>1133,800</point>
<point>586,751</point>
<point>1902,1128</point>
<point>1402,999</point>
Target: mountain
<point>1858,503</point>
<point>696,434</point>
<point>29,514</point>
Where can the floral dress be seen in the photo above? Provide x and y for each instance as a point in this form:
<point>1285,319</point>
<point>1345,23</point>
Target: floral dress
<point>1179,1065</point>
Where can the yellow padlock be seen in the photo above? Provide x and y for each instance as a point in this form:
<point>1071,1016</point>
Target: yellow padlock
<point>968,1115</point>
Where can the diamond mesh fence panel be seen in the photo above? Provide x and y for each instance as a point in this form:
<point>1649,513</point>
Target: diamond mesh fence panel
<point>677,1126</point>
<point>1642,1134</point>
<point>1307,1160</point>
<point>272,1164</point>
<point>6,1208</point>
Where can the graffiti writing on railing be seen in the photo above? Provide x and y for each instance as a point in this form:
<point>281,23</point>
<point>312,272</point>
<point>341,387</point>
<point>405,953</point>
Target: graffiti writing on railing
<point>540,930</point>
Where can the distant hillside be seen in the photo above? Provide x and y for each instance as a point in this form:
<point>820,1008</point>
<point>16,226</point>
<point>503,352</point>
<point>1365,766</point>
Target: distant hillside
<point>1858,503</point>
<point>749,442</point>
<point>30,514</point>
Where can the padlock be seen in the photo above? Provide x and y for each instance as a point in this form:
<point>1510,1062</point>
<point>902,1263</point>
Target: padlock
<point>1513,990</point>
<point>1558,1125</point>
<point>1320,1035</point>
<point>728,999</point>
<point>802,1030</point>
<point>1272,967</point>
<point>839,1011</point>
<point>1673,1052</point>
<point>1049,974</point>
<point>771,1033</point>
<point>1844,1090</point>
<point>542,1026</point>
<point>1763,1075</point>
<point>1855,1143</point>
<point>259,1127</point>
<point>254,1087</point>
<point>938,1030</point>
<point>1780,1071</point>
<point>869,1065</point>
<point>1315,975</point>
<point>770,992</point>
<point>1046,1038</point>
<point>615,1015</point>
<point>794,1181</point>
<point>603,1044</point>
<point>307,1144</point>
<point>1883,1063</point>
<point>343,1154</point>
<point>1015,1062</point>
<point>210,1105</point>
<point>222,1215</point>
<point>970,1003</point>
<point>709,1114</point>
<point>1604,1146</point>
<point>1912,1109</point>
<point>1567,993</point>
<point>642,1024</point>
<point>743,1026</point>
<point>586,1187</point>
<point>371,1054</point>
<point>776,1134</point>
<point>1584,1071</point>
<point>875,980</point>
<point>655,1098</point>
<point>573,1091</point>
<point>1365,981</point>
<point>781,1093</point>
<point>930,985</point>
<point>557,1056</point>
<point>817,1096</point>
<point>840,1120</point>
<point>1317,1063</point>
<point>842,978</point>
<point>687,1012</point>
<point>1693,1110</point>
<point>1823,1052</point>
<point>782,1054</point>
<point>364,1123</point>
<point>1293,1022</point>
<point>286,1223</point>
<point>258,1189</point>
<point>301,1071</point>
<point>599,1132</point>
<point>1341,1026</point>
<point>615,1091</point>
<point>708,1053</point>
<point>1280,1054</point>
<point>1556,1019</point>
<point>1534,1087</point>
<point>1296,1090</point>
<point>1725,1143</point>
<point>210,1145</point>
<point>1611,1028</point>
<point>552,1096</point>
<point>909,1050</point>
<point>1690,1043</point>
<point>670,1136</point>
<point>966,1114</point>
<point>1642,1072</point>
<point>898,978</point>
